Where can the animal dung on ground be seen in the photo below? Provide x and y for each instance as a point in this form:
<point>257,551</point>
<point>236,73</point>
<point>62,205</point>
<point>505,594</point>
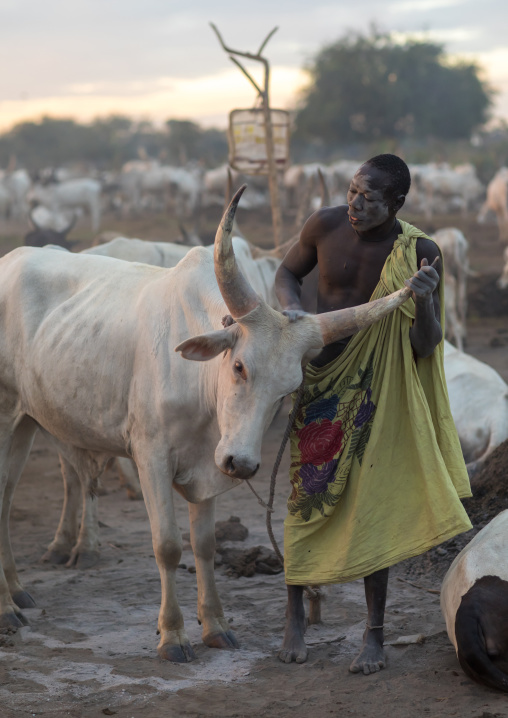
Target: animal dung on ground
<point>230,530</point>
<point>247,562</point>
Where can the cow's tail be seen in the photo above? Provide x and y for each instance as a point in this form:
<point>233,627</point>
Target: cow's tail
<point>472,650</point>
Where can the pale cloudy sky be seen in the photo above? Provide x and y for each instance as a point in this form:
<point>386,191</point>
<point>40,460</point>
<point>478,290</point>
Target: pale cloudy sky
<point>157,59</point>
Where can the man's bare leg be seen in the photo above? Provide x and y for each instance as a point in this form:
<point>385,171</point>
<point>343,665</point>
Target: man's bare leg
<point>293,645</point>
<point>372,656</point>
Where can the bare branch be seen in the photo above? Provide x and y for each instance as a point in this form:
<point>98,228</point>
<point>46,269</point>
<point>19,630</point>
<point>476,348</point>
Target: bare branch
<point>248,55</point>
<point>251,79</point>
<point>263,44</point>
<point>219,36</point>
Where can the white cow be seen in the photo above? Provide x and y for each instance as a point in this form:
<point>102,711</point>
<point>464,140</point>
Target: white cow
<point>502,282</point>
<point>177,187</point>
<point>71,195</point>
<point>77,546</point>
<point>86,354</point>
<point>455,249</point>
<point>445,188</point>
<point>474,602</point>
<point>18,184</point>
<point>479,404</point>
<point>497,202</point>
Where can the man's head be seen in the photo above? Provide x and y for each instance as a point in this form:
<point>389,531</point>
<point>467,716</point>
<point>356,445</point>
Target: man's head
<point>377,191</point>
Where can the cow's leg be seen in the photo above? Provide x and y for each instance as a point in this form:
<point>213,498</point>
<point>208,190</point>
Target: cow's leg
<point>13,455</point>
<point>59,550</point>
<point>216,630</point>
<point>85,553</point>
<point>156,483</point>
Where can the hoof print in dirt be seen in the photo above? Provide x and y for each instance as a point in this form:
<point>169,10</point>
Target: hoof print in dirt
<point>177,654</point>
<point>230,530</point>
<point>22,599</point>
<point>247,562</point>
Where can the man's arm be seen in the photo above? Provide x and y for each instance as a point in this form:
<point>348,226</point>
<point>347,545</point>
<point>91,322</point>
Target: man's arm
<point>426,332</point>
<point>298,262</point>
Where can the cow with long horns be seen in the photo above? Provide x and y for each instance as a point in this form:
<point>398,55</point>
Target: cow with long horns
<point>87,354</point>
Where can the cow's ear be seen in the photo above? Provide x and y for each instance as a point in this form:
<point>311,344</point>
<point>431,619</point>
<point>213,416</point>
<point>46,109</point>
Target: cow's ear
<point>207,346</point>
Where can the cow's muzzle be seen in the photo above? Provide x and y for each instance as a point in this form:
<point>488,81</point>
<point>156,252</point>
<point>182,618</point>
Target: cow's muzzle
<point>238,467</point>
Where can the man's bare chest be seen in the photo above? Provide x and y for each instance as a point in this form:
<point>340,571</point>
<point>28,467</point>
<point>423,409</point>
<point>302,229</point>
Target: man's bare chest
<point>351,265</point>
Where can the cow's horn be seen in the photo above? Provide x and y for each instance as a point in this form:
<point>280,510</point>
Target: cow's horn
<point>345,322</point>
<point>236,291</point>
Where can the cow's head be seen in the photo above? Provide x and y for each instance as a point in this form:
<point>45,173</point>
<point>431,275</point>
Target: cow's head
<point>263,354</point>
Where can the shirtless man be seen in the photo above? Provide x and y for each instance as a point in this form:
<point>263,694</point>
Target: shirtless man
<point>350,245</point>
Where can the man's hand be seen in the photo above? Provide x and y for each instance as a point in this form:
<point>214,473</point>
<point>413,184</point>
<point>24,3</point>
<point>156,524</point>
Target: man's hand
<point>424,281</point>
<point>294,314</point>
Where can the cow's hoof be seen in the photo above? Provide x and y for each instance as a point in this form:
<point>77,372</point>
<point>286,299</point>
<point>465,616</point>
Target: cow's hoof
<point>177,653</point>
<point>12,620</point>
<point>83,559</point>
<point>222,639</point>
<point>57,558</point>
<point>22,599</point>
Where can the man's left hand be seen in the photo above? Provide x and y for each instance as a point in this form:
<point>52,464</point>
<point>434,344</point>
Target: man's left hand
<point>424,281</point>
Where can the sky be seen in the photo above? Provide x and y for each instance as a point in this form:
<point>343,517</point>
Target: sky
<point>159,59</point>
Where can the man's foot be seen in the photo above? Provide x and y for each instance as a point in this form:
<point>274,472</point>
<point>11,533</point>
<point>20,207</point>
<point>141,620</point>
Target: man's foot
<point>372,656</point>
<point>293,645</point>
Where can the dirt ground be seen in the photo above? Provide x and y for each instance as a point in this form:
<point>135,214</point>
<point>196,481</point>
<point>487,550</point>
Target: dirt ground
<point>90,649</point>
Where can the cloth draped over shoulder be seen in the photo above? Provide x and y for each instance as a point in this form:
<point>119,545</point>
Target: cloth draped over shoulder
<point>376,465</point>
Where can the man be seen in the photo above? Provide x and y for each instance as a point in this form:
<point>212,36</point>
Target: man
<point>376,468</point>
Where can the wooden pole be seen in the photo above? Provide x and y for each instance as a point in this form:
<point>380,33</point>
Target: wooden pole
<point>273,182</point>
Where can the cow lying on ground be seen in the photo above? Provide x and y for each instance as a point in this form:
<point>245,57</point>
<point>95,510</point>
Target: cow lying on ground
<point>474,602</point>
<point>77,543</point>
<point>479,403</point>
<point>86,354</point>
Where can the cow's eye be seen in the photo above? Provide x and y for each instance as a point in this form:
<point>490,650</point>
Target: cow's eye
<point>240,369</point>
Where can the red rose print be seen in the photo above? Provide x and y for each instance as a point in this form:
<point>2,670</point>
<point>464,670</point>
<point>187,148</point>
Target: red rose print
<point>320,442</point>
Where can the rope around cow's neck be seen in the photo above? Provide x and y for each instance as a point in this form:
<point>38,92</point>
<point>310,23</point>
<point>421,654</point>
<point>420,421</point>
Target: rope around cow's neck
<point>311,593</point>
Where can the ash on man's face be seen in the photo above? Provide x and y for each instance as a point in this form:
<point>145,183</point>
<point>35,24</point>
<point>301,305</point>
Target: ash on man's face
<point>369,206</point>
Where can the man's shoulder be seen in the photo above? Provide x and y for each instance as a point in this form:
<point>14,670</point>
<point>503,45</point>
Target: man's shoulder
<point>426,247</point>
<point>327,219</point>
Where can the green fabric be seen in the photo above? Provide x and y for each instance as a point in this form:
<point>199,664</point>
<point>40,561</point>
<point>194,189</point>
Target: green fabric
<point>376,465</point>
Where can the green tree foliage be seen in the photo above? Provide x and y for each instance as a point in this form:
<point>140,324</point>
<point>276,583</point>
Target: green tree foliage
<point>109,142</point>
<point>371,87</point>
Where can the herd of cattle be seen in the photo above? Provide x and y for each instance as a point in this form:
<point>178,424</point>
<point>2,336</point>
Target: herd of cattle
<point>194,426</point>
<point>146,184</point>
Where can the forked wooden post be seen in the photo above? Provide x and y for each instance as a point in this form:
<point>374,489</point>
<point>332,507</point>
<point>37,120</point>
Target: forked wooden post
<point>265,100</point>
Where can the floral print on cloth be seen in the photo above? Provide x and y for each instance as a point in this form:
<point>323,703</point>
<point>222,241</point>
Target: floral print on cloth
<point>331,426</point>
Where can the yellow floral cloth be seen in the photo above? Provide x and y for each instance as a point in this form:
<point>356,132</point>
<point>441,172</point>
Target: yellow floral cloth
<point>376,465</point>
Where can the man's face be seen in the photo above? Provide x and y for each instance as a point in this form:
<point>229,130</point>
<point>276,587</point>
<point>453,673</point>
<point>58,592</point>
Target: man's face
<point>366,197</point>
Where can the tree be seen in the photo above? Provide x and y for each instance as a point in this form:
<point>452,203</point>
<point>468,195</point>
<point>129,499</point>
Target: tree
<point>371,87</point>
